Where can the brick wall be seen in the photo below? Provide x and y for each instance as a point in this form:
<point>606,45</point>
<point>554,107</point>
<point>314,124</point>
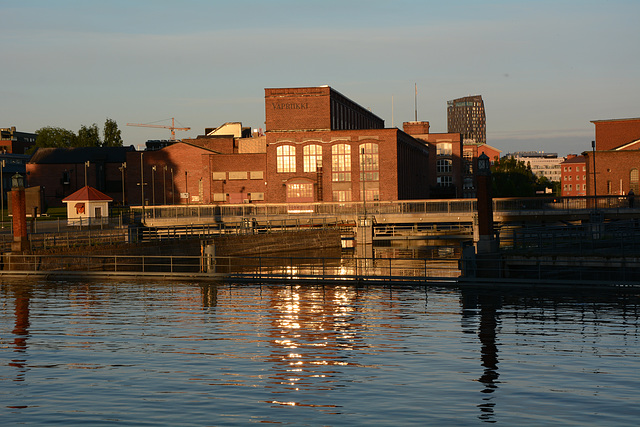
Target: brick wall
<point>413,167</point>
<point>611,134</point>
<point>612,167</point>
<point>297,108</point>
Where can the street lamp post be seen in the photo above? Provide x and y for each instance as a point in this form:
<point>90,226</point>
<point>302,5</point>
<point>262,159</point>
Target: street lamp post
<point>153,185</point>
<point>86,165</point>
<point>142,183</point>
<point>363,168</point>
<point>164,185</point>
<point>122,169</point>
<point>173,189</point>
<point>2,164</point>
<point>595,188</point>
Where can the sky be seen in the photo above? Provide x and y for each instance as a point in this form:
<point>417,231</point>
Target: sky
<point>545,69</point>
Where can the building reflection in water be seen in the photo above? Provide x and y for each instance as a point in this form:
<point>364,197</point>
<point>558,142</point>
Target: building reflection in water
<point>22,298</point>
<point>209,295</point>
<point>484,307</point>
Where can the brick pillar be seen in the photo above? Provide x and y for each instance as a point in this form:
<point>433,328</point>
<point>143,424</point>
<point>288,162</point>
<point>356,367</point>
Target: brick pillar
<point>19,211</point>
<point>486,242</point>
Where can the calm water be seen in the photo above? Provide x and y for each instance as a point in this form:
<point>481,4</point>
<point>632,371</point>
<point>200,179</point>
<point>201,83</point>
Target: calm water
<point>111,353</point>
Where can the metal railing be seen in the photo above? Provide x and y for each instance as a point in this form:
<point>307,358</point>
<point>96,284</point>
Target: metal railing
<point>340,209</point>
<point>259,268</point>
<point>535,271</point>
<point>619,238</point>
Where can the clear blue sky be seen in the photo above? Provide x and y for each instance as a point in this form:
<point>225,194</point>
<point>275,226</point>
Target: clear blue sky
<point>545,69</point>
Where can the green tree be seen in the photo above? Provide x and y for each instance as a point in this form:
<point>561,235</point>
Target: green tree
<point>112,137</point>
<point>88,136</point>
<point>513,178</point>
<point>50,136</point>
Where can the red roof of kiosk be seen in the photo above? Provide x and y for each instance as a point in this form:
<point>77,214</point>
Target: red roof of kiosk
<point>87,193</point>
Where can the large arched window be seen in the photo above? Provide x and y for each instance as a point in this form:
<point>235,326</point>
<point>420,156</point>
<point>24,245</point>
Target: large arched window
<point>312,157</point>
<point>443,149</point>
<point>341,163</point>
<point>286,158</point>
<point>633,180</point>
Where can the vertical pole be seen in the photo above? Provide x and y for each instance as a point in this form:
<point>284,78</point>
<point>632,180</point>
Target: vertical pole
<point>164,185</point>
<point>122,168</point>
<point>142,182</point>
<point>595,191</point>
<point>416,101</point>
<point>186,186</point>
<point>153,186</point>
<point>2,191</point>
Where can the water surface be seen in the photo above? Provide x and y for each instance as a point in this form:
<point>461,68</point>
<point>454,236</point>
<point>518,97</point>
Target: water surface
<point>147,353</point>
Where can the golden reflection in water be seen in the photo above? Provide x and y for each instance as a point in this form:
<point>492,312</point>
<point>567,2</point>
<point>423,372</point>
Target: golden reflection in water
<point>312,326</point>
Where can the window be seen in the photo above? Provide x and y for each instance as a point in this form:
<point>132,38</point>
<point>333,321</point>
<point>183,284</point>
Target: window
<point>444,165</point>
<point>299,191</point>
<point>468,183</point>
<point>342,195</point>
<point>633,180</point>
<point>371,194</point>
<point>341,163</point>
<point>445,181</point>
<point>443,149</point>
<point>608,187</point>
<point>286,158</point>
<point>468,162</point>
<point>369,163</point>
<point>312,157</point>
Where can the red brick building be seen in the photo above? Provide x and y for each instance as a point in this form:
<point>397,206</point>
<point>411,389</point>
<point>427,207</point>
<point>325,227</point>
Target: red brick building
<point>445,159</point>
<point>205,170</point>
<point>573,176</point>
<point>321,146</point>
<point>62,171</point>
<point>15,142</point>
<point>318,146</point>
<point>617,158</point>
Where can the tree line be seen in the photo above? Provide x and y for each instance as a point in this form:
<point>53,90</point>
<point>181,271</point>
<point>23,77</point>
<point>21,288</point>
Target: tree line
<point>514,178</point>
<point>87,136</point>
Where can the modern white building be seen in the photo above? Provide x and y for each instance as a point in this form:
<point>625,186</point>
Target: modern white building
<point>542,164</point>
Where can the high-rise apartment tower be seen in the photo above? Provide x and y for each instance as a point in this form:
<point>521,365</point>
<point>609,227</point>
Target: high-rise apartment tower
<point>466,117</point>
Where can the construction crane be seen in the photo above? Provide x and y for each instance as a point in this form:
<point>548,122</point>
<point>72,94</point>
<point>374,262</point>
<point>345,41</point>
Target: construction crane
<point>172,127</point>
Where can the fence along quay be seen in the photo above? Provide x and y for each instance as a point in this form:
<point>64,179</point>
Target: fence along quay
<point>261,219</point>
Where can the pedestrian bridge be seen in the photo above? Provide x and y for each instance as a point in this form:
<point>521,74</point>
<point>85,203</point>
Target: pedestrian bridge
<point>449,211</point>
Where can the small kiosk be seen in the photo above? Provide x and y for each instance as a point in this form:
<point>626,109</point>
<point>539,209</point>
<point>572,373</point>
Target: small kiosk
<point>87,206</point>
